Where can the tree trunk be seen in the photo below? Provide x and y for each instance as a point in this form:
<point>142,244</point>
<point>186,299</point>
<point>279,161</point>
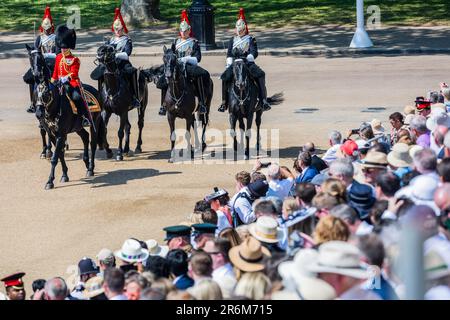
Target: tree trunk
<point>139,12</point>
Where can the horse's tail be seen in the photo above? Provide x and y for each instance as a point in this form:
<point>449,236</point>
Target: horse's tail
<point>276,99</point>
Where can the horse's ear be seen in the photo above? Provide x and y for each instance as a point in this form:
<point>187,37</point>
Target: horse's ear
<point>165,49</point>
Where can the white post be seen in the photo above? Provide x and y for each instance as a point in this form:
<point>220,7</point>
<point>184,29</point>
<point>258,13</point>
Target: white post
<point>360,39</point>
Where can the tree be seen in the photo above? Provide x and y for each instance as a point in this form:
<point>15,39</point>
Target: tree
<point>138,12</point>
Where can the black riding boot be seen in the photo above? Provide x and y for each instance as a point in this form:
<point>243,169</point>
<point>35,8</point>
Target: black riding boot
<point>201,96</point>
<point>135,103</point>
<point>32,107</point>
<point>162,109</point>
<point>224,106</point>
<point>263,103</point>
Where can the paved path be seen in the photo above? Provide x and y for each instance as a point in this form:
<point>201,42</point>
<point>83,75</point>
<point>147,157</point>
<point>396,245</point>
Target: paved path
<point>304,41</point>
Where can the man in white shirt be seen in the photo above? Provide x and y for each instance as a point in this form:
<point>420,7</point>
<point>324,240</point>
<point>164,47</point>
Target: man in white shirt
<point>335,140</point>
<point>280,181</point>
<point>223,272</point>
<point>241,204</point>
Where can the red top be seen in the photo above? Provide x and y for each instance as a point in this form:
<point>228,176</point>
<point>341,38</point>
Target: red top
<point>67,65</point>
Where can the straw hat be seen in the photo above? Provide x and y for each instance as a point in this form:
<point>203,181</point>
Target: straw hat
<point>93,287</point>
<point>154,249</point>
<point>266,229</point>
<point>409,110</point>
<point>408,119</point>
<point>339,257</point>
<point>308,285</point>
<point>414,149</point>
<point>375,159</point>
<point>377,127</point>
<point>132,251</point>
<point>249,255</point>
<point>399,157</point>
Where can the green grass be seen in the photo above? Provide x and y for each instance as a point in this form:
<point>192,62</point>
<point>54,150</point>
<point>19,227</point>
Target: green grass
<point>20,14</point>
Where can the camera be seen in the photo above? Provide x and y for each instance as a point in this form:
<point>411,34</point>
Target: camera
<point>265,164</point>
<point>355,131</point>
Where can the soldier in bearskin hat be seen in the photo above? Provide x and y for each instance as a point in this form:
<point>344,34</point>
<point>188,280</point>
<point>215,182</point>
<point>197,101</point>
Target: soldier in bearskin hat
<point>243,46</point>
<point>188,52</point>
<point>66,71</point>
<point>124,47</point>
<point>45,42</point>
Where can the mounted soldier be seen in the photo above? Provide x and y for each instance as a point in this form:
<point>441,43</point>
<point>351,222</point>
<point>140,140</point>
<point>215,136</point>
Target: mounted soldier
<point>124,47</point>
<point>189,54</point>
<point>243,46</point>
<point>66,71</point>
<point>46,43</point>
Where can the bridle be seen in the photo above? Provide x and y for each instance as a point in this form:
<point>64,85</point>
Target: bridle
<point>240,82</point>
<point>172,77</point>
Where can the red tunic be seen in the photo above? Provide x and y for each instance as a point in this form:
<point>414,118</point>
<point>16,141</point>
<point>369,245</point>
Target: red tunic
<point>67,65</point>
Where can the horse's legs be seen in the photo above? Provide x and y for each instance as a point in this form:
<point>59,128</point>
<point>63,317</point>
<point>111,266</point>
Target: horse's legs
<point>189,122</point>
<point>233,121</point>
<point>127,128</point>
<point>242,132</point>
<point>120,134</point>
<point>106,116</point>
<point>44,143</point>
<point>90,171</point>
<point>171,120</point>
<point>84,135</point>
<point>141,116</point>
<point>58,149</point>
<point>258,136</point>
<point>248,135</point>
<point>64,177</point>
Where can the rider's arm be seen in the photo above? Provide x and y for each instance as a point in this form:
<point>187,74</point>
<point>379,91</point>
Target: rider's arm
<point>196,52</point>
<point>55,75</point>
<point>37,42</point>
<point>128,47</point>
<point>253,50</point>
<point>230,53</point>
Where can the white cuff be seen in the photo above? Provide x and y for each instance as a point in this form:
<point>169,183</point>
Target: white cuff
<point>250,58</point>
<point>49,55</point>
<point>122,56</point>
<point>229,61</point>
<point>192,60</point>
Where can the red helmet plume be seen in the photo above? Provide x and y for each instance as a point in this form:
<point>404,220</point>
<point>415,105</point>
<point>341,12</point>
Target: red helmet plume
<point>47,19</point>
<point>118,15</point>
<point>241,17</point>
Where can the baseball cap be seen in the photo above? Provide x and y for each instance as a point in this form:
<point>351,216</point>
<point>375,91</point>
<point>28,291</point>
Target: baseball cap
<point>350,148</point>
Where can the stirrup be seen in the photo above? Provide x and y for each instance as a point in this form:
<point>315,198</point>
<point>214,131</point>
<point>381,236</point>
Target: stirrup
<point>85,122</point>
<point>162,111</point>
<point>202,109</point>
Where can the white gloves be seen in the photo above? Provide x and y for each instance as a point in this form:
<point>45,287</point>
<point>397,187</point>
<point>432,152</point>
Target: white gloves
<point>49,55</point>
<point>189,60</point>
<point>229,61</point>
<point>64,79</point>
<point>122,56</point>
<point>250,58</point>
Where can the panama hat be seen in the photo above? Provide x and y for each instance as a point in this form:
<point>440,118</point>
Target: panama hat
<point>265,229</point>
<point>307,284</point>
<point>132,251</point>
<point>93,287</point>
<point>339,257</point>
<point>375,159</point>
<point>408,119</point>
<point>399,157</point>
<point>154,249</point>
<point>377,126</point>
<point>249,256</point>
<point>414,149</point>
<point>409,110</point>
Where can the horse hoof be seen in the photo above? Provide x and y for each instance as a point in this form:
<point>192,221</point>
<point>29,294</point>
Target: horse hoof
<point>43,156</point>
<point>246,157</point>
<point>109,155</point>
<point>90,173</point>
<point>119,158</point>
<point>137,150</point>
<point>49,186</point>
<point>64,179</point>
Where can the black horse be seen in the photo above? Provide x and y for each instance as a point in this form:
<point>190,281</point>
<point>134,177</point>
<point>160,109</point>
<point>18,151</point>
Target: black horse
<point>40,72</point>
<point>180,102</point>
<point>116,97</point>
<point>243,100</point>
<point>56,117</point>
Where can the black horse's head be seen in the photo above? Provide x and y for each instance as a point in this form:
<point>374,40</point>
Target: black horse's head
<point>37,62</point>
<point>240,74</point>
<point>106,55</point>
<point>170,63</point>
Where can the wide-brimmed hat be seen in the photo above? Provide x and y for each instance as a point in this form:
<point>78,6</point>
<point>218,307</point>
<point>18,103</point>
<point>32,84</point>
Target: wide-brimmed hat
<point>421,191</point>
<point>339,257</point>
<point>266,229</point>
<point>399,157</point>
<point>249,256</point>
<point>377,126</point>
<point>307,284</point>
<point>154,249</point>
<point>132,251</point>
<point>422,103</point>
<point>438,117</point>
<point>435,266</point>
<point>408,119</point>
<point>375,159</point>
<point>414,149</point>
<point>93,287</point>
<point>409,110</point>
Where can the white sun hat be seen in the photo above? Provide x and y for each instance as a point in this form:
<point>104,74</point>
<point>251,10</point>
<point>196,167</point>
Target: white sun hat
<point>132,251</point>
<point>154,249</point>
<point>266,229</point>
